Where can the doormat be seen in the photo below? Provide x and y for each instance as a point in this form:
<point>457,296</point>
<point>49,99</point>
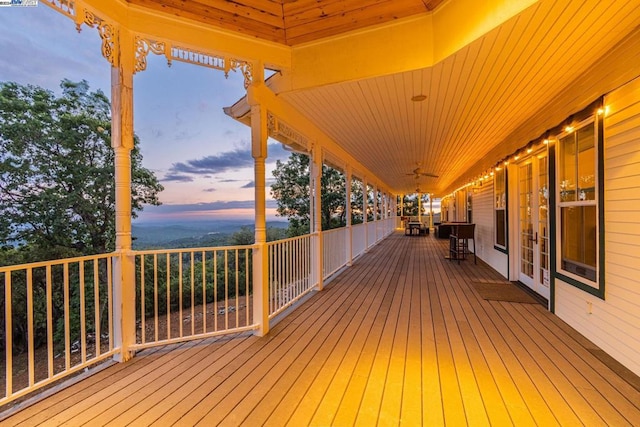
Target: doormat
<point>503,291</point>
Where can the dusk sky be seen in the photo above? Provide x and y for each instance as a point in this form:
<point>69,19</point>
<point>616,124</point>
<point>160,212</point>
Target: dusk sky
<point>202,157</point>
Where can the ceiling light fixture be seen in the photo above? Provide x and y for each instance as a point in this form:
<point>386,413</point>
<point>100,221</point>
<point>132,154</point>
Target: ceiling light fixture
<point>418,98</point>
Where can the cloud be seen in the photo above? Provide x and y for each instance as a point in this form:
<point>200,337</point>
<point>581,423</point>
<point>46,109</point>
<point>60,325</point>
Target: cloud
<point>25,59</point>
<point>176,177</point>
<point>209,190</point>
<point>238,158</point>
<point>252,184</point>
<point>205,207</point>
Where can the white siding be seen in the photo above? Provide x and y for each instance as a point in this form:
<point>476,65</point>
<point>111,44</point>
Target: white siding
<point>614,324</point>
<point>482,204</point>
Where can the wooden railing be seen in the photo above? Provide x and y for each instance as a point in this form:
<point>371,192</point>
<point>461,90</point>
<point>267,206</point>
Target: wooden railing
<point>291,271</point>
<point>57,320</point>
<point>186,294</point>
<point>335,247</point>
<point>359,239</point>
<point>60,317</point>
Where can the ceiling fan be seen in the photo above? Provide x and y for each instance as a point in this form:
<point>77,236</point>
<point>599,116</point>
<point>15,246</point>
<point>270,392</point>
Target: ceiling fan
<point>418,172</point>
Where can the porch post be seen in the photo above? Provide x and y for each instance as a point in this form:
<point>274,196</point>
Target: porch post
<point>349,234</point>
<point>316,196</point>
<point>383,217</point>
<point>431,210</point>
<point>365,206</point>
<point>419,207</point>
<point>259,134</point>
<point>375,212</point>
<point>124,312</point>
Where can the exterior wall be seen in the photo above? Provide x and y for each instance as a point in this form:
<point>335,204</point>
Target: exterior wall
<point>483,218</point>
<point>614,323</point>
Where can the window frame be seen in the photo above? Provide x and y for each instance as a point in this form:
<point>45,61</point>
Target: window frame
<point>504,208</point>
<point>594,287</point>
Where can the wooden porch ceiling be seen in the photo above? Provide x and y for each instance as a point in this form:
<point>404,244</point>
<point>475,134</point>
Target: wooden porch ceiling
<point>401,335</point>
<point>484,97</point>
<point>291,22</point>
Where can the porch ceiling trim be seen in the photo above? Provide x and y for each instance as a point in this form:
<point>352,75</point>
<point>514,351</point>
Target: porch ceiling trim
<point>191,34</point>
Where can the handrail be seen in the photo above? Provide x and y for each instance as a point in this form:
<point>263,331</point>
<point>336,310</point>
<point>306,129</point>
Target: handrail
<point>39,264</point>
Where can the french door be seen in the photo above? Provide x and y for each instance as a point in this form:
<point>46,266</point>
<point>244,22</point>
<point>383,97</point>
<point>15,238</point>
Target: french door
<point>533,223</point>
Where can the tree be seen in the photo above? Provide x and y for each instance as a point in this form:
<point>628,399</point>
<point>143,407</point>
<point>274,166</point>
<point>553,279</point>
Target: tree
<point>291,192</point>
<point>57,187</point>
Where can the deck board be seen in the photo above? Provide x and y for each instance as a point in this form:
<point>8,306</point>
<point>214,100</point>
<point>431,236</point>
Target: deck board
<point>401,337</point>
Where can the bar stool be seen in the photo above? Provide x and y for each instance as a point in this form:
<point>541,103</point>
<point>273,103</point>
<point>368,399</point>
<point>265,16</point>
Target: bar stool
<point>459,242</point>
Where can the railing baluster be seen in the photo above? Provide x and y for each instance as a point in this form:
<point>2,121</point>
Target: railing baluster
<point>237,298</point>
<point>204,293</point>
<point>215,290</point>
<point>143,326</point>
<point>49,293</point>
<point>30,344</point>
<point>193,295</point>
<point>155,296</point>
<point>168,318</point>
<point>67,326</point>
<point>8,321</point>
<point>83,314</point>
<point>110,300</point>
<point>96,306</point>
<point>180,294</point>
<point>226,289</point>
<point>246,286</point>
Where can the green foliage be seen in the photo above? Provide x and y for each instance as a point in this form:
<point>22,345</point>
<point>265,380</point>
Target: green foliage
<point>246,235</point>
<point>57,200</point>
<point>291,192</point>
<point>185,281</point>
<point>57,187</point>
<point>29,254</point>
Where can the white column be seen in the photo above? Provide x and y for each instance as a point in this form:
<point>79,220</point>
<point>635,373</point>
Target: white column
<point>365,205</point>
<point>124,316</point>
<point>259,134</point>
<point>431,210</point>
<point>375,212</point>
<point>419,207</point>
<point>316,196</point>
<point>349,234</point>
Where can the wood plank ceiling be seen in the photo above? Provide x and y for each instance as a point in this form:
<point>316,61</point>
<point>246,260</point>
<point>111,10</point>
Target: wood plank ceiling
<point>479,97</point>
<point>291,22</point>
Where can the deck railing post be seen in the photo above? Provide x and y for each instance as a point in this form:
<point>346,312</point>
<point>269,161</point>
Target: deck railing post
<point>259,134</point>
<point>124,327</point>
<point>365,208</point>
<point>349,233</point>
<point>316,195</point>
<point>375,213</point>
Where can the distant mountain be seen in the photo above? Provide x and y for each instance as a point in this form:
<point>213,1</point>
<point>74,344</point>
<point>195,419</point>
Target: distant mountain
<point>185,234</point>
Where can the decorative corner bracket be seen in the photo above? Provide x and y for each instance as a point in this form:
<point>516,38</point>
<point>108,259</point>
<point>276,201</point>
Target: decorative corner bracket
<point>286,134</point>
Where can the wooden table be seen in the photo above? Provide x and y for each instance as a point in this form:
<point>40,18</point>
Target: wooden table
<point>414,228</point>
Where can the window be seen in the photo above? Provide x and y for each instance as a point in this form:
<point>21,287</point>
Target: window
<point>500,208</point>
<point>578,202</point>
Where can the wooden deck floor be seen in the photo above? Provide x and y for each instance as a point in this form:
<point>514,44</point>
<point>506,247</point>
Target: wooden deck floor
<point>399,338</point>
